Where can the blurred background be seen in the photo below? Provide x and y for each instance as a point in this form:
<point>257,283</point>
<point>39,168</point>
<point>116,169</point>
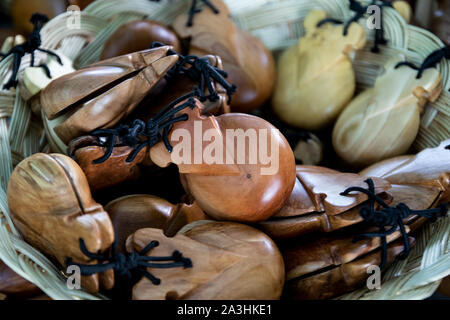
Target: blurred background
<point>433,15</point>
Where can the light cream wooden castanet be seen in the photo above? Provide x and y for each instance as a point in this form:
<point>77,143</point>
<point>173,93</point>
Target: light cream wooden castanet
<point>34,79</point>
<point>383,121</point>
<point>315,77</point>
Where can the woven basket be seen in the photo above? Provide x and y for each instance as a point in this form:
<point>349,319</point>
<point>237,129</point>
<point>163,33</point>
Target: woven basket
<point>279,23</point>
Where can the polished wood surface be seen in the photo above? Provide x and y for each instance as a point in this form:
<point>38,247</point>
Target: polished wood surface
<point>13,285</point>
<point>416,181</point>
<point>427,166</point>
<point>230,262</point>
<point>247,61</point>
<point>236,192</point>
<point>339,280</point>
<point>315,77</point>
<point>131,213</point>
<point>105,92</point>
<point>51,205</point>
<point>137,36</point>
<point>390,111</point>
<point>113,171</point>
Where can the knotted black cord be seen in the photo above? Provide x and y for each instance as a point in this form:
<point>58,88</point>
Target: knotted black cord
<point>141,134</point>
<point>360,12</point>
<point>125,264</point>
<point>389,216</point>
<point>193,10</point>
<point>202,71</point>
<point>30,46</point>
<point>430,62</point>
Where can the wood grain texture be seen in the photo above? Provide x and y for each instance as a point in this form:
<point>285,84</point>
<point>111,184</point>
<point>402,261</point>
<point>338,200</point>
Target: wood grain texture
<point>51,205</point>
<point>230,262</point>
<point>234,191</point>
<point>390,111</point>
<point>315,78</point>
<point>339,280</point>
<point>247,61</point>
<point>131,213</point>
<point>103,93</point>
<point>416,183</point>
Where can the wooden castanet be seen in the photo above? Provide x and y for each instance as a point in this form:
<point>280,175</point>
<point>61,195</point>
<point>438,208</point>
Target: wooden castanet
<point>315,77</point>
<point>105,92</point>
<point>21,11</point>
<point>137,36</point>
<point>247,61</point>
<point>304,260</point>
<point>423,168</point>
<point>232,182</point>
<point>344,278</point>
<point>237,190</point>
<point>316,203</point>
<point>131,213</point>
<point>13,285</point>
<point>180,85</point>
<point>416,183</point>
<point>390,111</point>
<point>86,149</point>
<point>230,261</point>
<point>51,205</point>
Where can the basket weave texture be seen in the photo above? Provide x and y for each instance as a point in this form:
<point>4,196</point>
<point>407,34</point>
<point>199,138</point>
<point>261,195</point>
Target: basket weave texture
<point>279,23</point>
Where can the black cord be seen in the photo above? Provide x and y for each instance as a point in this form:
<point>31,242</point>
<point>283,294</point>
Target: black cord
<point>430,62</point>
<point>30,46</point>
<point>126,264</point>
<point>200,70</point>
<point>141,134</point>
<point>389,216</point>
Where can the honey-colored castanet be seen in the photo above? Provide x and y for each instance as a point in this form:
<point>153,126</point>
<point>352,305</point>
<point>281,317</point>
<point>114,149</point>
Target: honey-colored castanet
<point>383,121</point>
<point>51,205</point>
<point>316,203</point>
<point>236,190</point>
<point>315,78</point>
<point>137,36</point>
<point>102,94</point>
<point>230,261</point>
